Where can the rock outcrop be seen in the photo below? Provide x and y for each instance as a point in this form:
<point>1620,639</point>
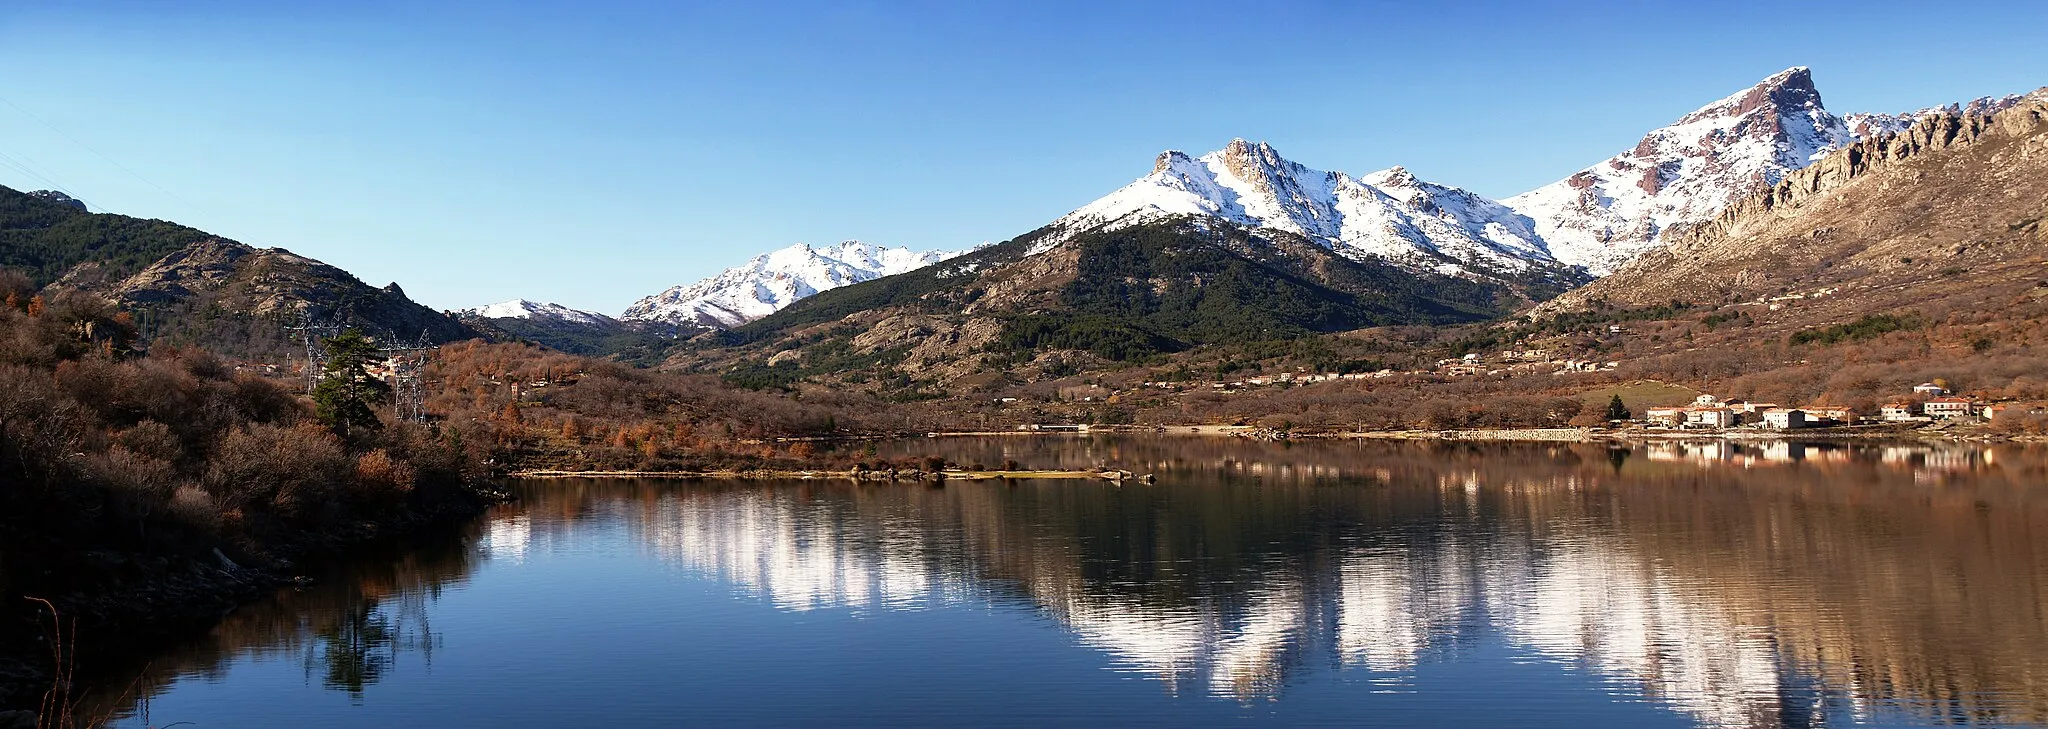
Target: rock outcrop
<point>216,278</point>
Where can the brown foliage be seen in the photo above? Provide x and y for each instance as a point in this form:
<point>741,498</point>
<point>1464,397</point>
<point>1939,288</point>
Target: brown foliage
<point>578,412</point>
<point>100,448</point>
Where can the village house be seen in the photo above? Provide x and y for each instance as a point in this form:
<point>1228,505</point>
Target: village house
<point>1830,415</point>
<point>1901,412</point>
<point>1747,412</point>
<point>1784,419</point>
<point>1949,408</point>
<point>1700,416</point>
<point>1672,416</point>
<point>2013,409</point>
<point>1930,389</point>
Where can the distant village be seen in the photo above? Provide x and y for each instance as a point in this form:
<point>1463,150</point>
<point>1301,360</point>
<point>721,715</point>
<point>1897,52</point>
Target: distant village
<point>1510,363</point>
<point>1929,403</point>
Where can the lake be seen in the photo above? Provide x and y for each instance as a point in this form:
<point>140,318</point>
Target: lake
<point>1254,584</point>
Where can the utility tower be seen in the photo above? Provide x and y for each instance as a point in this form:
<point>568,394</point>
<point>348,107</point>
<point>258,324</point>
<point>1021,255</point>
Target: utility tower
<point>408,376</point>
<point>313,334</point>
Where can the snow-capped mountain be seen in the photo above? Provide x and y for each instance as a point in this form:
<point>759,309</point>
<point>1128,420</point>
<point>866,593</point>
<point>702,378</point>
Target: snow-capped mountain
<point>1390,214</point>
<point>1684,173</point>
<point>536,310</point>
<point>774,280</point>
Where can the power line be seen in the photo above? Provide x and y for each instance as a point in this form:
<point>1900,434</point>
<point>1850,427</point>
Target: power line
<point>28,168</point>
<point>82,145</point>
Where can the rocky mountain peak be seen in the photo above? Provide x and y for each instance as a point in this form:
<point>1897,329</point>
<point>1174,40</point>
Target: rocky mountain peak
<point>1395,176</point>
<point>1254,162</point>
<point>1788,90</point>
<point>1168,159</point>
<point>1685,172</point>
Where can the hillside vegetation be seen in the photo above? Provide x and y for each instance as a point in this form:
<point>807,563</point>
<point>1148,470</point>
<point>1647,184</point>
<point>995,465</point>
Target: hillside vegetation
<point>1106,296</point>
<point>44,239</point>
<point>136,487</point>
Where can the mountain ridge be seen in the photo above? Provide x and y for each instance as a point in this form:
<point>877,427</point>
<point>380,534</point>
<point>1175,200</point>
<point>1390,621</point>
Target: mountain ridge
<point>193,287</point>
<point>773,280</point>
<point>1390,215</point>
<point>1540,242</point>
<point>538,310</point>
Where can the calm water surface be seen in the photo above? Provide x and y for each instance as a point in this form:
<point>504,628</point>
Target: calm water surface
<point>1354,584</point>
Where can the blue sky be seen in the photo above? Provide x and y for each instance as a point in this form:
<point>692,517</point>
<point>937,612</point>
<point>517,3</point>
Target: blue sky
<point>593,153</point>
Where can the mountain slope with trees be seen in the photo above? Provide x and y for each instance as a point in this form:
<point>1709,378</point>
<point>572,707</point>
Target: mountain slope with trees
<point>187,287</point>
<point>44,236</point>
<point>1112,295</point>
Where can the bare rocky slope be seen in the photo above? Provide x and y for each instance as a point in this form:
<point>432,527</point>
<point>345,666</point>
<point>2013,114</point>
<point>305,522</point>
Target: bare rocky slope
<point>235,298</point>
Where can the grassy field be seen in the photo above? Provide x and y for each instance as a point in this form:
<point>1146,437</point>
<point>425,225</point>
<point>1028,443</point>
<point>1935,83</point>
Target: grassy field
<point>1640,394</point>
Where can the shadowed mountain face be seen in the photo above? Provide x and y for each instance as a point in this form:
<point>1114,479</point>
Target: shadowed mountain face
<point>1774,585</point>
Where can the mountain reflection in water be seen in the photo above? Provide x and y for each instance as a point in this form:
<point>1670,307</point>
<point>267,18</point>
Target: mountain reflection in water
<point>1743,586</point>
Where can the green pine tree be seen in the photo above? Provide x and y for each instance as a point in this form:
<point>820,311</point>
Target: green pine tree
<point>1617,410</point>
<point>348,394</point>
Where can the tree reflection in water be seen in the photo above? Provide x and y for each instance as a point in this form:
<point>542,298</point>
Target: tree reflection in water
<point>353,652</point>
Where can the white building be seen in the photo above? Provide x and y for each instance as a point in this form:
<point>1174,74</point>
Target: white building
<point>1785,419</point>
<point>1666,415</point>
<point>1949,408</point>
<point>1709,417</point>
<point>1901,412</point>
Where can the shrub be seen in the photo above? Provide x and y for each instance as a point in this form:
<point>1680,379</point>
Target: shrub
<point>288,471</point>
<point>381,481</point>
<point>1868,327</point>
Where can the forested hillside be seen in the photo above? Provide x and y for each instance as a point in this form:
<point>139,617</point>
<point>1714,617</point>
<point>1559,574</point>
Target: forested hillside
<point>45,238</point>
<point>1114,295</point>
